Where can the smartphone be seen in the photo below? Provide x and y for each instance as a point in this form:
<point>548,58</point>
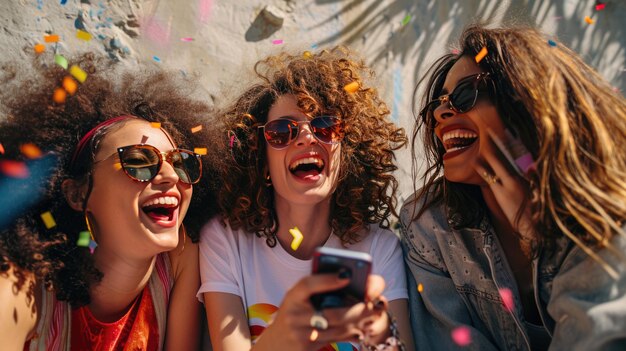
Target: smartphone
<point>356,265</point>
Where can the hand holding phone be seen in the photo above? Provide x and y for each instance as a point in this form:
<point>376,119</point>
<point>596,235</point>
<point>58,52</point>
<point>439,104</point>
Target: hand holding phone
<point>353,264</point>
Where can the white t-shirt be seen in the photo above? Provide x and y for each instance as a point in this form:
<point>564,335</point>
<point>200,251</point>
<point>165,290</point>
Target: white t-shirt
<point>242,264</point>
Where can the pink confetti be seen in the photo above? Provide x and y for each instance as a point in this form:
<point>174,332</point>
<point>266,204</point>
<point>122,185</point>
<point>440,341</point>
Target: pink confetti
<point>462,336</point>
<point>455,51</point>
<point>507,299</point>
<point>204,9</point>
<point>277,41</point>
<point>188,39</point>
<point>156,32</point>
<point>600,6</point>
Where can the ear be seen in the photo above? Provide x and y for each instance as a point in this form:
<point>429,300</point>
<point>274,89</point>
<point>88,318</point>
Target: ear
<point>74,193</point>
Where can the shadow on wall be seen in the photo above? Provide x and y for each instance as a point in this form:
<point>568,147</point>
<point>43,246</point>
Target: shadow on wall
<point>432,23</point>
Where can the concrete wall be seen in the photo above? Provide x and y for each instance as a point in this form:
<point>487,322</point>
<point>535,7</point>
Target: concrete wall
<point>219,40</point>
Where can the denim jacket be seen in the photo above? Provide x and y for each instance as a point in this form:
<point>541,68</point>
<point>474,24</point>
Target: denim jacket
<point>461,272</point>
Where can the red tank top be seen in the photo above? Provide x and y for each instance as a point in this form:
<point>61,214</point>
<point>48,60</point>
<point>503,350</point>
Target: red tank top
<point>136,330</point>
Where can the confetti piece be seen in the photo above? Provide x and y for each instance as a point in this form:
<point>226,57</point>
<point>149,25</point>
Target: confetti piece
<point>351,87</point>
<point>204,10</point>
<point>186,39</point>
<point>481,55</point>
<point>200,150</point>
<point>406,20</point>
<point>69,85</point>
<point>92,246</point>
<point>144,139</point>
<point>589,20</point>
<point>48,220</point>
<point>39,48</point>
<point>30,150</point>
<point>462,336</point>
<point>59,95</point>
<point>297,238</point>
<point>14,169</point>
<point>307,55</point>
<point>1,149</point>
<point>600,6</point>
<point>507,298</point>
<point>455,51</point>
<point>117,166</point>
<point>60,60</point>
<point>84,238</point>
<point>155,124</point>
<point>78,73</point>
<point>420,287</point>
<point>52,38</point>
<point>196,129</point>
<point>156,58</point>
<point>81,34</point>
<point>63,2</point>
<point>277,41</point>
<point>552,42</point>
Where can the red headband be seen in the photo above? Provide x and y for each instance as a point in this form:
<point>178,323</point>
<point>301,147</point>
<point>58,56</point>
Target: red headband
<point>87,138</point>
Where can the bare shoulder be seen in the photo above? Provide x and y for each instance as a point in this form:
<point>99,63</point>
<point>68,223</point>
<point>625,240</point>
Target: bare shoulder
<point>18,312</point>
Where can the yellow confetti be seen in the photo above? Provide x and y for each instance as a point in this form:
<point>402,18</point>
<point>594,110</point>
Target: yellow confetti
<point>84,238</point>
<point>69,85</point>
<point>589,20</point>
<point>78,73</point>
<point>59,95</point>
<point>420,287</point>
<point>200,150</point>
<point>48,220</point>
<point>481,55</point>
<point>352,87</point>
<point>30,150</point>
<point>196,129</point>
<point>155,124</point>
<point>81,34</point>
<point>52,38</point>
<point>39,48</point>
<point>307,55</point>
<point>297,238</point>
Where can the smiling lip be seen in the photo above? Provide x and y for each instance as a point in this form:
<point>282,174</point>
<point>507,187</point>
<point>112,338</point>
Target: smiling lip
<point>165,221</point>
<point>310,176</point>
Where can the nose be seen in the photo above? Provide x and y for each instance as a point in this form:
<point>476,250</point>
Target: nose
<point>443,111</point>
<point>166,174</point>
<point>305,135</point>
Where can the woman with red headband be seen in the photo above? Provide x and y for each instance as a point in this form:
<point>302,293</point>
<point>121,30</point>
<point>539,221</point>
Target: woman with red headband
<point>311,148</point>
<point>120,271</point>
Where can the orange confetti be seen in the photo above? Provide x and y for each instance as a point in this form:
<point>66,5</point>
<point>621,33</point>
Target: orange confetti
<point>39,48</point>
<point>481,55</point>
<point>52,38</point>
<point>14,169</point>
<point>196,129</point>
<point>70,85</point>
<point>155,124</point>
<point>117,166</point>
<point>352,87</point>
<point>1,149</point>
<point>420,287</point>
<point>200,150</point>
<point>589,20</point>
<point>81,34</point>
<point>59,95</point>
<point>30,150</point>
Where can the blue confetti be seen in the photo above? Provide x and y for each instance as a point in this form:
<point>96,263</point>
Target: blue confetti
<point>156,58</point>
<point>63,2</point>
<point>552,42</point>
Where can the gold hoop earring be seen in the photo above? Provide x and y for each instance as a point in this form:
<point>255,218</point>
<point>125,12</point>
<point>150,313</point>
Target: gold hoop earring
<point>184,232</point>
<point>89,227</point>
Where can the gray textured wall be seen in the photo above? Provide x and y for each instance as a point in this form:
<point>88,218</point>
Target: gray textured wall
<point>226,36</point>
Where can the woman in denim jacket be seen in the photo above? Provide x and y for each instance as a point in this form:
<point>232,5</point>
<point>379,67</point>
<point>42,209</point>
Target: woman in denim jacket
<point>516,239</point>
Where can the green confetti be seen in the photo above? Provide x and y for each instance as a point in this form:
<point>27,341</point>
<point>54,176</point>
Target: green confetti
<point>406,20</point>
<point>83,239</point>
<point>61,61</point>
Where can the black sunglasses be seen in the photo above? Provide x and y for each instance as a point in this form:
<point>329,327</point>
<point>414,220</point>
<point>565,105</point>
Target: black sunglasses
<point>143,162</point>
<point>462,98</point>
<point>281,132</point>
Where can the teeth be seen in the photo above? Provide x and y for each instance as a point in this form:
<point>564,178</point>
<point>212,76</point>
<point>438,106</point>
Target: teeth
<point>456,148</point>
<point>307,160</point>
<point>163,200</point>
<point>459,134</point>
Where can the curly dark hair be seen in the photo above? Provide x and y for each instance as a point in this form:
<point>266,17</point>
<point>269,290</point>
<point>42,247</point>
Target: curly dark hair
<point>366,188</point>
<point>33,118</point>
<point>567,116</point>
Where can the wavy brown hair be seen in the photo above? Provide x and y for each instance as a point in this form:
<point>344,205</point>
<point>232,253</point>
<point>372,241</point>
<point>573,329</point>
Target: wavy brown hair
<point>366,188</point>
<point>570,119</point>
<point>33,118</point>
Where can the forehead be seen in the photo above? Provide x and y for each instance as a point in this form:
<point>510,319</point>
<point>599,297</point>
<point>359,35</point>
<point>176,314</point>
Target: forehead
<point>134,132</point>
<point>285,105</point>
<point>465,66</point>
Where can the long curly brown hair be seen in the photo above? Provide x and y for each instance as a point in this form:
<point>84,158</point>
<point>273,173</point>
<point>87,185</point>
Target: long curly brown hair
<point>571,120</point>
<point>366,188</point>
<point>55,128</point>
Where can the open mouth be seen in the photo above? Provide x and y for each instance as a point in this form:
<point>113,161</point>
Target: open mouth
<point>458,139</point>
<point>161,209</point>
<point>307,168</point>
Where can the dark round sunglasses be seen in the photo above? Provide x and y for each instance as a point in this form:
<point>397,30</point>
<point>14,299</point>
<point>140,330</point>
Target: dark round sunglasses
<point>281,132</point>
<point>462,98</point>
<point>143,162</point>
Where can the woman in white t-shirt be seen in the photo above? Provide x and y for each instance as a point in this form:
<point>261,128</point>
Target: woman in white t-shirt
<point>311,146</point>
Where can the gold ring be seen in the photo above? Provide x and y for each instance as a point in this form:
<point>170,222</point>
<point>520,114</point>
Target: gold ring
<point>490,178</point>
<point>318,321</point>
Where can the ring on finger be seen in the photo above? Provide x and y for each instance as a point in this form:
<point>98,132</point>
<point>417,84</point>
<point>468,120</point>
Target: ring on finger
<point>318,321</point>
